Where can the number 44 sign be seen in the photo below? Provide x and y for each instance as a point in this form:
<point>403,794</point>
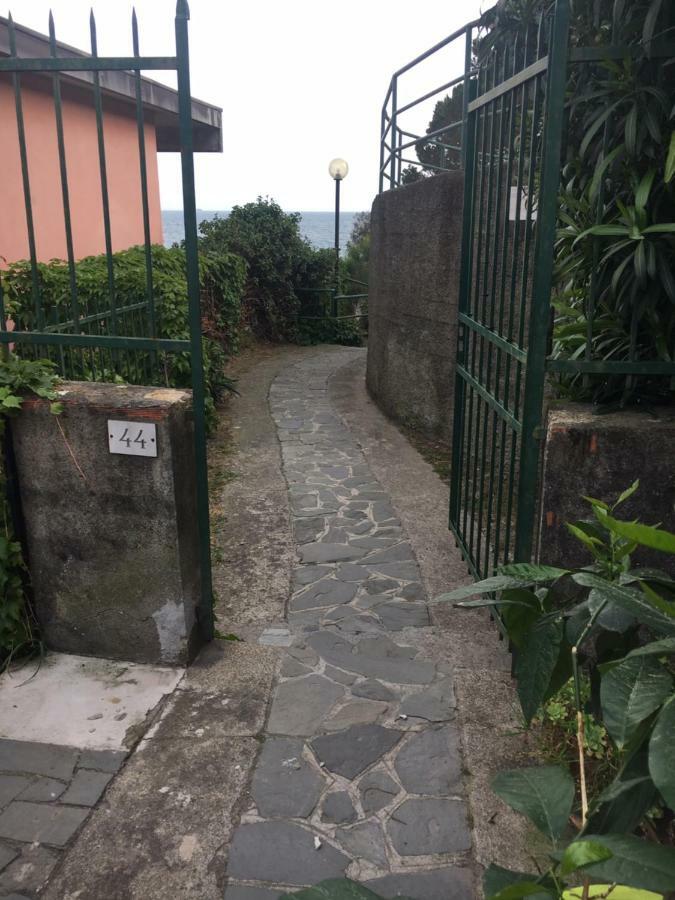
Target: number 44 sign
<point>132,438</point>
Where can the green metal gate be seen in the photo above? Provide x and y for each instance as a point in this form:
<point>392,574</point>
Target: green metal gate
<point>90,341</point>
<point>513,140</point>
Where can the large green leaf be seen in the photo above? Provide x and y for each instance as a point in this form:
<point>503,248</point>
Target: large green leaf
<point>334,889</point>
<point>623,804</point>
<point>661,618</point>
<point>496,879</point>
<point>542,793</point>
<point>646,535</point>
<point>661,751</point>
<point>531,889</point>
<point>536,662</point>
<point>629,693</point>
<point>534,574</point>
<point>664,647</point>
<point>488,586</point>
<point>519,617</point>
<point>635,863</point>
<point>579,854</point>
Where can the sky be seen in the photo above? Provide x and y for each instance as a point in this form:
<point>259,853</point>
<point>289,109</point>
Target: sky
<point>299,82</point>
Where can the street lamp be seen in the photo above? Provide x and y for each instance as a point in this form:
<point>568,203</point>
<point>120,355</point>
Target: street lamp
<point>338,170</point>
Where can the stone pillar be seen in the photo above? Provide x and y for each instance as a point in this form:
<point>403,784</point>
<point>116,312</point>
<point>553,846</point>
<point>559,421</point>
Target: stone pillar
<point>600,456</point>
<point>112,539</point>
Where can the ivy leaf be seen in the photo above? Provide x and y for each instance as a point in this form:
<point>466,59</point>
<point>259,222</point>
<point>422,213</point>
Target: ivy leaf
<point>661,746</point>
<point>629,693</point>
<point>542,793</point>
<point>536,663</point>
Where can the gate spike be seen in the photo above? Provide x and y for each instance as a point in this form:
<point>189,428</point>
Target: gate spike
<point>134,31</point>
<point>92,32</point>
<point>52,31</point>
<point>182,9</point>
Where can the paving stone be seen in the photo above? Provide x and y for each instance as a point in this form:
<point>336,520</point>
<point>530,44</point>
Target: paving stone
<point>372,689</point>
<point>436,704</point>
<point>303,654</point>
<point>364,841</point>
<point>10,787</point>
<point>375,543</point>
<point>246,892</point>
<point>356,712</point>
<point>281,852</point>
<point>308,529</point>
<point>291,668</point>
<point>396,616</point>
<point>46,824</point>
<point>413,591</point>
<point>396,553</point>
<point>350,752</point>
<point>86,787</point>
<point>405,571</point>
<point>340,676</point>
<point>430,762</point>
<point>323,553</point>
<point>339,652</point>
<point>284,783</point>
<point>103,760</point>
<point>377,585</point>
<point>16,897</point>
<point>384,648</point>
<point>327,592</point>
<point>300,705</point>
<point>383,510</point>
<point>7,853</point>
<point>359,528</point>
<point>421,827</point>
<point>42,759</point>
<point>338,808</point>
<point>275,637</point>
<point>336,472</point>
<point>450,883</point>
<point>43,790</point>
<point>377,791</point>
<point>309,574</point>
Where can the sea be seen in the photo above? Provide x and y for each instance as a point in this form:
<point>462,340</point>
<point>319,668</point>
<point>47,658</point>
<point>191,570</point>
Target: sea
<point>317,227</point>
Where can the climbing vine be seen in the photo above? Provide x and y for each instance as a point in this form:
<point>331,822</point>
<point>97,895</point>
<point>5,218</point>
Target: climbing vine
<point>18,377</point>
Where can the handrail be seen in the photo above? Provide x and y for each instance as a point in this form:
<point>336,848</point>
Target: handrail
<point>393,141</point>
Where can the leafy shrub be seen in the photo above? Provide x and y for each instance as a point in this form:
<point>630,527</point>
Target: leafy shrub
<point>616,624</point>
<point>281,263</point>
<point>222,278</point>
<point>329,331</point>
<point>17,630</point>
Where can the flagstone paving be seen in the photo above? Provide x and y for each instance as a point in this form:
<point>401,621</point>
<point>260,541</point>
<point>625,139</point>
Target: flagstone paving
<point>360,772</point>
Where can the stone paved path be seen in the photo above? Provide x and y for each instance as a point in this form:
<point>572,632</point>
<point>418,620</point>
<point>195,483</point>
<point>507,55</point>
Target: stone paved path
<point>360,770</point>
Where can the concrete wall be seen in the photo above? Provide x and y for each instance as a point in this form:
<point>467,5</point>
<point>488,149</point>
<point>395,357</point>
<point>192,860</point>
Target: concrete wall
<point>79,125</point>
<point>412,301</point>
<point>112,539</point>
<point>600,456</point>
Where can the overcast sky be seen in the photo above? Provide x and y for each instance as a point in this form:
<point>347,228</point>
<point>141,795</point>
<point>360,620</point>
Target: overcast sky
<point>299,81</point>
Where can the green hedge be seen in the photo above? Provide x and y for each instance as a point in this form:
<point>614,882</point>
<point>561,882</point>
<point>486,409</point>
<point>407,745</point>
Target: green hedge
<point>222,276</point>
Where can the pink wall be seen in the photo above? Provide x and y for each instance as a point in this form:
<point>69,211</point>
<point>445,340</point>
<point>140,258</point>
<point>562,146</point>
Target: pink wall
<point>79,124</point>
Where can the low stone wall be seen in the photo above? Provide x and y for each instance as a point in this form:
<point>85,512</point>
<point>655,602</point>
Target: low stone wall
<point>600,456</point>
<point>412,301</point>
<point>112,539</point>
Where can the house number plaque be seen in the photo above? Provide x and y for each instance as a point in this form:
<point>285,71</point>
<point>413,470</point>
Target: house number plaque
<point>132,438</point>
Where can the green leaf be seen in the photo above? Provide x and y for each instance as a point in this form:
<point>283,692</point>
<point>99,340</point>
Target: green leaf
<point>670,160</point>
<point>661,228</point>
<point>636,863</point>
<point>635,602</point>
<point>544,794</point>
<point>661,748</point>
<point>334,889</point>
<point>645,186</point>
<point>601,168</point>
<point>650,24</point>
<point>629,693</point>
<point>645,535</point>
<point>534,574</point>
<point>519,618</point>
<point>582,853</point>
<point>496,879</point>
<point>523,889</point>
<point>536,662</point>
<point>664,647</point>
<point>487,586</point>
<point>624,495</point>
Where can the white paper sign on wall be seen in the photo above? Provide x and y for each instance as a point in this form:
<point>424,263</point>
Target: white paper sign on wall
<point>132,438</point>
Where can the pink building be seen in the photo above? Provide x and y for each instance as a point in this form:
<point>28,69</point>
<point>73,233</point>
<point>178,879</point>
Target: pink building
<point>160,110</point>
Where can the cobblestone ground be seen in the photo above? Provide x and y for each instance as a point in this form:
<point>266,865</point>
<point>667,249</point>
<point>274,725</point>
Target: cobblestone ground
<point>46,793</point>
<point>360,771</point>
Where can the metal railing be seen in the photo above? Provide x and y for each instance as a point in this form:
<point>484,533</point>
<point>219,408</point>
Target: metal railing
<point>396,136</point>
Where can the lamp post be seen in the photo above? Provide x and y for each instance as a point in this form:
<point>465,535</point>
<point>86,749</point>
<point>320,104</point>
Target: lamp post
<point>338,170</point>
